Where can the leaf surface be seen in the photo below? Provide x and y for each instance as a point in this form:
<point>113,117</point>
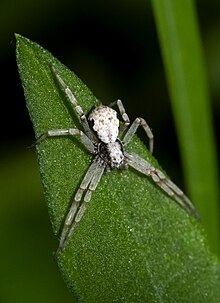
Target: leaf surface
<point>134,244</point>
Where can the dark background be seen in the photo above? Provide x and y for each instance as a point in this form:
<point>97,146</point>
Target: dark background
<point>113,47</point>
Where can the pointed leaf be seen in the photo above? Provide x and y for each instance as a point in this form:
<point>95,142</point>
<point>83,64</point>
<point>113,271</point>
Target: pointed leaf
<point>134,244</point>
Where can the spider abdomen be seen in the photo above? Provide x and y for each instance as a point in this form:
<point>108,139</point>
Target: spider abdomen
<point>105,123</point>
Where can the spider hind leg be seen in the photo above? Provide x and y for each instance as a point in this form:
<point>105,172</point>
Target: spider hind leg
<point>78,109</point>
<point>133,129</point>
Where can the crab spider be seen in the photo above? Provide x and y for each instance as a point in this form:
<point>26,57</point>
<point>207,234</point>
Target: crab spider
<point>101,138</point>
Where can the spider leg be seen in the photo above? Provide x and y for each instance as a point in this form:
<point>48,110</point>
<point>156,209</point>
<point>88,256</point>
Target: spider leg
<point>123,114</point>
<point>68,132</point>
<point>162,181</point>
<point>75,104</point>
<point>133,128</point>
<point>88,184</point>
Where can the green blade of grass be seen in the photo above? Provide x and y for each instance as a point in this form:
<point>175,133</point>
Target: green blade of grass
<point>182,52</point>
<point>134,244</point>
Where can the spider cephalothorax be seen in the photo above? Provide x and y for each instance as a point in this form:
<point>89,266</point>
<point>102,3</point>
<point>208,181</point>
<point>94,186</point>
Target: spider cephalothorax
<point>101,138</point>
<point>111,155</point>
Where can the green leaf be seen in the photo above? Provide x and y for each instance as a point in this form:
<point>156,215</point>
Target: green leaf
<point>134,244</point>
<point>182,51</point>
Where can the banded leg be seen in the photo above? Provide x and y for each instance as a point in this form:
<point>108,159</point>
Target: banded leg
<point>123,113</point>
<point>75,104</point>
<point>68,132</point>
<point>133,128</point>
<point>89,184</point>
<point>162,181</point>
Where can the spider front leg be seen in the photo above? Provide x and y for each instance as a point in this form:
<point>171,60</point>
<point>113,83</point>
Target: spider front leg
<point>79,206</point>
<point>68,132</point>
<point>170,188</point>
<point>132,130</point>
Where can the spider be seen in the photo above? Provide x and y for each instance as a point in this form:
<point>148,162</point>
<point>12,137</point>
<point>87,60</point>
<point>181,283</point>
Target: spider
<point>101,138</point>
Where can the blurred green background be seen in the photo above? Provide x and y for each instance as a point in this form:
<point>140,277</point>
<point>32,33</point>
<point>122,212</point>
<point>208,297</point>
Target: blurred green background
<point>113,47</point>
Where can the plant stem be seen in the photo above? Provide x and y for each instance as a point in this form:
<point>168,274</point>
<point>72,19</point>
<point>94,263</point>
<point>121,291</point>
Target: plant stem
<point>182,53</point>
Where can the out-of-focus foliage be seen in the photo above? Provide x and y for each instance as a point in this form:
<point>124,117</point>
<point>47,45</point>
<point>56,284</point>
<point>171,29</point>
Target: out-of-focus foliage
<point>187,80</point>
<point>28,269</point>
